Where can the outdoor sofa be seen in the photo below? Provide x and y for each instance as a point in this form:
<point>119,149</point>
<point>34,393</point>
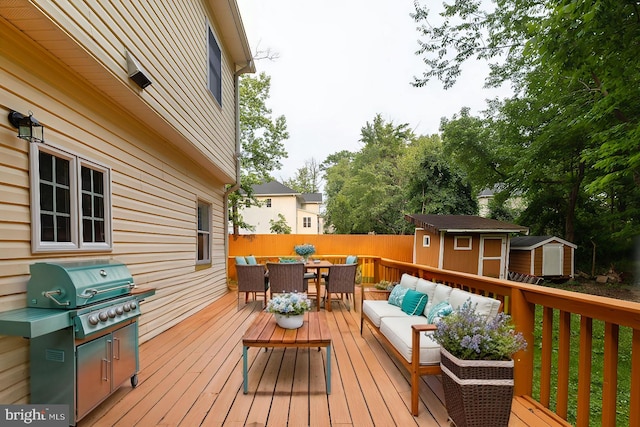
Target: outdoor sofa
<point>406,332</point>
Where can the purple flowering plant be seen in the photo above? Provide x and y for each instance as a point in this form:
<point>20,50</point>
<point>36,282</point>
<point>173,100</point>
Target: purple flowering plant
<point>471,336</point>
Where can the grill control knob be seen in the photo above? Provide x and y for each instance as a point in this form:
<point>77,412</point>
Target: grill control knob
<point>126,307</point>
<point>119,310</point>
<point>133,305</point>
<point>103,316</point>
<point>111,313</point>
<point>93,319</point>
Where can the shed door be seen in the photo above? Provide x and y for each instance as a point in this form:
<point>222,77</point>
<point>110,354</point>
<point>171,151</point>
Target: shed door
<point>552,264</point>
<point>492,260</point>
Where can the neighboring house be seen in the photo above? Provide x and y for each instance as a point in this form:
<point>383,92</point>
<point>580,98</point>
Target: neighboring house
<point>514,203</point>
<point>301,211</point>
<point>549,257</point>
<point>154,159</point>
<point>466,243</point>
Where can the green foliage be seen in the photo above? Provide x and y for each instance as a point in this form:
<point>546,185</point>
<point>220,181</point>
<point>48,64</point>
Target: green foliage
<point>280,226</point>
<point>568,141</point>
<point>307,178</point>
<point>395,173</point>
<point>261,139</point>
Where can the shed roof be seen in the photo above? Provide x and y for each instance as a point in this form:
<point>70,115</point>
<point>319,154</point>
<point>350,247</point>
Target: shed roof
<point>532,242</point>
<point>463,223</point>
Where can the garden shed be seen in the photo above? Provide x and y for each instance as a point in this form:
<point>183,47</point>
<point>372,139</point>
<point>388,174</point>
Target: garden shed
<point>549,257</point>
<point>466,243</point>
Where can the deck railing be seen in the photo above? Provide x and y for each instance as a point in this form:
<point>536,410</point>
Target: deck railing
<point>532,305</point>
<point>522,302</point>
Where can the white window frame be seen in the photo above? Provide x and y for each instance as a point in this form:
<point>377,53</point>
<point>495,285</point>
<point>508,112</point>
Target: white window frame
<point>306,222</point>
<point>215,63</point>
<point>458,247</point>
<point>206,259</point>
<point>426,241</point>
<point>76,163</point>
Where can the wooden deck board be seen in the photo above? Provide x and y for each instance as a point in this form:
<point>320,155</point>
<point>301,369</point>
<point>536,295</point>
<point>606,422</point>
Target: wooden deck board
<point>191,375</point>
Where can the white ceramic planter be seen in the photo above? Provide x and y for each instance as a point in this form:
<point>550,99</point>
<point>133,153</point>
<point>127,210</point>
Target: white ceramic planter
<point>289,322</point>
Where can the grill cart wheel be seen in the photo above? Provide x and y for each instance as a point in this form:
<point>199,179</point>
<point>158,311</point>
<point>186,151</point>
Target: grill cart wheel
<point>134,380</point>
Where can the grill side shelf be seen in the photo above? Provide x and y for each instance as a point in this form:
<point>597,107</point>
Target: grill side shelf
<point>33,322</point>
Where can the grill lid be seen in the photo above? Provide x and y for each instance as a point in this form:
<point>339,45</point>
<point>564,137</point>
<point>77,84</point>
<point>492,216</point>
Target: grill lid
<point>76,284</point>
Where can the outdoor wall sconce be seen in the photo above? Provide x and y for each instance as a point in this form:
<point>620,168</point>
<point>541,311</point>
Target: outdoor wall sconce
<point>28,127</point>
<point>135,72</point>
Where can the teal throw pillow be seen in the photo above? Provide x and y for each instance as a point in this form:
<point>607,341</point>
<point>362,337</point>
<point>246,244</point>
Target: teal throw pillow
<point>351,259</point>
<point>414,302</point>
<point>439,311</point>
<point>251,260</point>
<point>397,294</point>
<point>240,260</point>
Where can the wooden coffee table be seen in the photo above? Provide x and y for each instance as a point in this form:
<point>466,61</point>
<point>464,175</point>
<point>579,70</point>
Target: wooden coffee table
<point>264,332</point>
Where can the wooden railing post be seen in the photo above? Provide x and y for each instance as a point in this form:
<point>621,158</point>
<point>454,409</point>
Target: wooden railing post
<point>523,316</point>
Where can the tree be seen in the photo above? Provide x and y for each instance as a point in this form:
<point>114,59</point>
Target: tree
<point>280,226</point>
<point>434,185</point>
<point>307,178</point>
<point>572,129</point>
<point>395,173</point>
<point>261,139</point>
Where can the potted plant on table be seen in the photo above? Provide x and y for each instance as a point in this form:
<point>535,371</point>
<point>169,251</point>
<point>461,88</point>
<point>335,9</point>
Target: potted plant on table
<point>305,251</point>
<point>477,366</point>
<point>288,309</point>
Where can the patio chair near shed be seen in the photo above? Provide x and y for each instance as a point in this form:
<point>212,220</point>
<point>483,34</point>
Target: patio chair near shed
<point>287,277</point>
<point>341,279</point>
<point>252,279</point>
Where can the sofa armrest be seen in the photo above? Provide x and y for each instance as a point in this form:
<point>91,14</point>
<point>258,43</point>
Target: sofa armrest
<point>423,328</point>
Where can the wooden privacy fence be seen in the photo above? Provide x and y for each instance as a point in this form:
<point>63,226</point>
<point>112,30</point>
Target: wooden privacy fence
<point>332,247</point>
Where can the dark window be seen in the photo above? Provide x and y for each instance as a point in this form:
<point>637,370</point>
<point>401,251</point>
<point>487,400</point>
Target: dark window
<point>72,209</point>
<point>204,234</point>
<point>215,68</point>
<point>306,222</point>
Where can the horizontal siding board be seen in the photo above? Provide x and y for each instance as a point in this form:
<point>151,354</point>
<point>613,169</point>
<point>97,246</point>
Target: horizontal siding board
<point>155,186</point>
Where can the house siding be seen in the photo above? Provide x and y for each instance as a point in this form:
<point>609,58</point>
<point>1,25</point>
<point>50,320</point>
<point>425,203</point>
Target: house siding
<point>158,174</point>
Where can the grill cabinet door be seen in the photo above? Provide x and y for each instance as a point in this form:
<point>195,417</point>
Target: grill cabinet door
<point>94,373</point>
<point>125,363</point>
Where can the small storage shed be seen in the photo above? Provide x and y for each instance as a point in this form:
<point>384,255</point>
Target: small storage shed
<point>466,243</point>
<point>542,256</point>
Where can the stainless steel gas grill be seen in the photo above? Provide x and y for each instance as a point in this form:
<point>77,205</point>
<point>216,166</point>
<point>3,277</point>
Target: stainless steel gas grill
<point>81,319</point>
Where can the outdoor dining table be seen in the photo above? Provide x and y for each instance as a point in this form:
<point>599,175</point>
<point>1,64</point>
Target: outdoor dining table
<point>317,265</point>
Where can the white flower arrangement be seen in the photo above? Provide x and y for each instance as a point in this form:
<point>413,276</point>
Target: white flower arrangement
<point>289,304</point>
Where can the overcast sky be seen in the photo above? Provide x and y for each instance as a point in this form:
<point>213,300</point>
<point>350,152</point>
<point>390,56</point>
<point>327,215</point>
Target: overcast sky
<point>340,63</point>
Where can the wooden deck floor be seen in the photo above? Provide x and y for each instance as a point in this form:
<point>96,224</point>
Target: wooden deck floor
<point>191,375</point>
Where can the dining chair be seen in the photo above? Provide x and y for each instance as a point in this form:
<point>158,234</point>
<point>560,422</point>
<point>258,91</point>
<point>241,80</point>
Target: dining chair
<point>341,279</point>
<point>251,279</point>
<point>287,277</point>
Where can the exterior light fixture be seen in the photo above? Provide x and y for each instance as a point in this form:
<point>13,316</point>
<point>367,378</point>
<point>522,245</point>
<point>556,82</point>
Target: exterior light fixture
<point>29,128</point>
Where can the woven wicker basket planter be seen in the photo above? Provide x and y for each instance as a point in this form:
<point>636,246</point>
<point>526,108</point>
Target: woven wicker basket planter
<point>478,393</point>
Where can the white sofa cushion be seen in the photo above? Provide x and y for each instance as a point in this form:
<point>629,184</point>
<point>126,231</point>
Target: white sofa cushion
<point>375,310</point>
<point>398,332</point>
<point>426,287</point>
<point>440,293</point>
<point>408,281</point>
<point>482,305</point>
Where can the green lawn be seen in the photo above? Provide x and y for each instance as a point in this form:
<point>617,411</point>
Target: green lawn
<point>624,369</point>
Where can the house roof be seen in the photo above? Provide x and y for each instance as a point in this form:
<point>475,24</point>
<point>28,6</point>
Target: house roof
<point>532,242</point>
<point>274,188</point>
<point>463,223</point>
<point>312,197</point>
